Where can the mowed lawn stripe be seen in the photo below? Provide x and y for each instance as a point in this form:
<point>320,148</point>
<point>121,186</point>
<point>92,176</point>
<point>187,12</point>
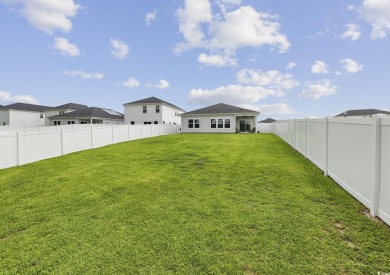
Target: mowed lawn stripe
<point>190,204</point>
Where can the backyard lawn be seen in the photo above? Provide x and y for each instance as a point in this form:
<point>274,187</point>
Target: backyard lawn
<point>188,204</point>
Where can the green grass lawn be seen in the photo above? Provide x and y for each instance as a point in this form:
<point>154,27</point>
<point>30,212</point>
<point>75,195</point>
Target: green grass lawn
<point>188,204</point>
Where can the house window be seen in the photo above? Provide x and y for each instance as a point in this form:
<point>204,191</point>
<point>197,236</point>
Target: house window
<point>156,122</point>
<point>157,108</point>
<point>61,112</point>
<point>132,122</point>
<point>190,123</point>
<point>227,123</point>
<point>220,123</point>
<point>4,123</point>
<point>147,122</point>
<point>144,110</point>
<point>56,122</point>
<point>196,123</point>
<point>41,115</point>
<point>70,122</point>
<point>213,123</point>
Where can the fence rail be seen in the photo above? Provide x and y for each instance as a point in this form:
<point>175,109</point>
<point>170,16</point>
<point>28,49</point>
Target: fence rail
<point>19,148</point>
<point>355,152</point>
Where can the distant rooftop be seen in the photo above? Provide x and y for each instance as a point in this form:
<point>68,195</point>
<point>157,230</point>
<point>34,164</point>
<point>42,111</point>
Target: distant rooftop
<point>153,100</point>
<point>268,120</point>
<point>363,112</point>
<point>70,106</point>
<point>91,112</point>
<point>25,107</point>
<point>220,108</point>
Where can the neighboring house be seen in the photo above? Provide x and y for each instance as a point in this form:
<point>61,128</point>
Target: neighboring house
<point>219,118</point>
<point>62,109</point>
<point>91,115</point>
<point>22,114</point>
<point>268,120</point>
<point>363,113</point>
<point>152,110</point>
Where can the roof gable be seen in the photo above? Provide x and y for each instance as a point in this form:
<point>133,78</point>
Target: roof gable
<point>25,107</point>
<point>152,100</point>
<point>268,120</point>
<point>220,108</point>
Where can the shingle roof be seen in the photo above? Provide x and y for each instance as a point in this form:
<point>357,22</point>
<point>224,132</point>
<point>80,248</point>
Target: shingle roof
<point>25,107</point>
<point>89,112</point>
<point>363,112</point>
<point>70,106</point>
<point>220,108</point>
<point>152,100</point>
<point>268,120</point>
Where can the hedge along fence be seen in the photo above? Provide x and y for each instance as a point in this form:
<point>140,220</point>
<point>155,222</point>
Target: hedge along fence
<point>21,148</point>
<point>355,152</point>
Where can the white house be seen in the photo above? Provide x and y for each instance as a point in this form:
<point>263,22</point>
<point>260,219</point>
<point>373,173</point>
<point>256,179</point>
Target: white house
<point>62,109</point>
<point>363,113</point>
<point>22,114</point>
<point>152,110</point>
<point>91,115</point>
<point>219,118</point>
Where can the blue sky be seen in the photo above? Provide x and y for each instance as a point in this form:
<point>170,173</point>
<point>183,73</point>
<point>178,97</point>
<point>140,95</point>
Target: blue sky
<point>285,59</point>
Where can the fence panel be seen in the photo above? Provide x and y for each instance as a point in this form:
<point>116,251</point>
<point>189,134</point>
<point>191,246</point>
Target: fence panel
<point>37,146</point>
<point>316,142</point>
<point>155,130</point>
<point>121,133</point>
<point>350,156</point>
<point>146,131</point>
<point>9,150</point>
<point>265,127</point>
<point>135,132</point>
<point>384,195</point>
<point>77,140</point>
<point>102,136</point>
<point>301,136</point>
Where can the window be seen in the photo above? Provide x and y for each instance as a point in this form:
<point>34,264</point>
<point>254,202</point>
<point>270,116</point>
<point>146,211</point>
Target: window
<point>227,123</point>
<point>61,112</point>
<point>132,122</point>
<point>213,123</point>
<point>156,122</point>
<point>190,123</point>
<point>157,108</point>
<point>196,123</point>
<point>220,123</point>
<point>3,123</point>
<point>147,122</point>
<point>144,110</point>
<point>41,115</point>
<point>57,122</point>
<point>70,122</point>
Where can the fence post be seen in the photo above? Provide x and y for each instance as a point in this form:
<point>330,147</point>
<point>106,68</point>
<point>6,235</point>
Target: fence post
<point>307,137</point>
<point>376,144</point>
<point>19,149</point>
<point>91,137</point>
<point>128,132</point>
<point>296,134</point>
<point>112,134</point>
<point>326,146</point>
<point>62,142</point>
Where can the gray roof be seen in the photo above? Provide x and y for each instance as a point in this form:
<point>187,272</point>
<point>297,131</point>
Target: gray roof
<point>69,106</point>
<point>268,120</point>
<point>89,112</point>
<point>25,107</point>
<point>363,112</point>
<point>153,100</point>
<point>220,108</point>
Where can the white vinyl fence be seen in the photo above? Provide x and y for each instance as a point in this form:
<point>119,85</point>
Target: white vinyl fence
<point>355,152</point>
<point>20,148</point>
<point>265,127</point>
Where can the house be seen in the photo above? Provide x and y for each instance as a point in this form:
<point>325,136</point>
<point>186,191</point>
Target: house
<point>22,114</point>
<point>268,120</point>
<point>152,110</point>
<point>91,115</point>
<point>219,118</point>
<point>62,109</point>
<point>363,113</point>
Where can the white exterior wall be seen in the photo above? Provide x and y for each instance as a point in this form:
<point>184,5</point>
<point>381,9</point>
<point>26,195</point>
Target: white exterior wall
<point>205,124</point>
<point>170,115</point>
<point>135,113</point>
<point>4,117</point>
<point>18,117</point>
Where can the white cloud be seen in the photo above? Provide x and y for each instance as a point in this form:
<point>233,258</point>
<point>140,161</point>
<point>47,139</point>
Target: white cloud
<point>232,94</point>
<point>270,79</point>
<point>119,49</point>
<point>227,31</point>
<point>352,32</point>
<point>319,89</point>
<point>291,65</point>
<point>319,67</point>
<point>131,82</point>
<point>377,13</point>
<point>350,65</point>
<point>47,15</point>
<point>83,75</point>
<point>65,47</point>
<point>7,98</point>
<point>216,60</point>
<point>150,17</point>
<point>162,85</point>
